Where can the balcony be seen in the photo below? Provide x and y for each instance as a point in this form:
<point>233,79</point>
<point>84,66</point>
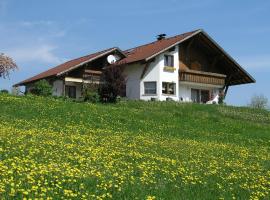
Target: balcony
<point>202,77</point>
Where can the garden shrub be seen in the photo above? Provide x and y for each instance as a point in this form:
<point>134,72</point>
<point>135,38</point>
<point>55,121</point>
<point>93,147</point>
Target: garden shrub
<point>42,88</point>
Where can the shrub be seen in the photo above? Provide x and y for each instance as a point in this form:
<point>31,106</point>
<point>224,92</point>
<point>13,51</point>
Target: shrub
<point>90,93</point>
<point>113,84</point>
<point>42,88</point>
<point>92,97</point>
<point>259,102</point>
<point>4,91</point>
<point>221,97</point>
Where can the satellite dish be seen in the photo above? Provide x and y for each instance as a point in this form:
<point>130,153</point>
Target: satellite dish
<point>111,59</point>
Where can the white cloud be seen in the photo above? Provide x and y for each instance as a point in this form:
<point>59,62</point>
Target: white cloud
<point>256,62</point>
<point>41,53</point>
<point>36,23</point>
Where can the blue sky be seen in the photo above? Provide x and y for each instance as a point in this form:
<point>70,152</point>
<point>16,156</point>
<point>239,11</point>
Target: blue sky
<point>42,34</point>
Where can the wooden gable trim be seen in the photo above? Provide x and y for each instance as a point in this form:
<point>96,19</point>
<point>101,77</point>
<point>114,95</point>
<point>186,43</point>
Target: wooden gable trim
<point>146,66</point>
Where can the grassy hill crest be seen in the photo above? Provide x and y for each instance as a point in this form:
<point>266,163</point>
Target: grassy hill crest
<point>144,150</point>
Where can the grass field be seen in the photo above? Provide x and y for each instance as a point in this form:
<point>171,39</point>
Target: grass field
<point>50,149</point>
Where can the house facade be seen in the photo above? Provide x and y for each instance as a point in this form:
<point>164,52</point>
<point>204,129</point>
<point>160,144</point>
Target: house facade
<point>190,67</point>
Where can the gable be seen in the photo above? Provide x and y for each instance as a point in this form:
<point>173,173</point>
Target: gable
<point>71,65</point>
<point>202,53</point>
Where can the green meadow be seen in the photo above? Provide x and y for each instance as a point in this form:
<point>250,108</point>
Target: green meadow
<point>51,149</point>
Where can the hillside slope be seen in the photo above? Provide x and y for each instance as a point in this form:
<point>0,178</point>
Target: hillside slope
<point>132,150</point>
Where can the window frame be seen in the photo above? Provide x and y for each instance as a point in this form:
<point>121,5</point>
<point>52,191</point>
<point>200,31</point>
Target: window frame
<point>166,60</point>
<point>71,91</point>
<point>145,88</point>
<point>168,88</point>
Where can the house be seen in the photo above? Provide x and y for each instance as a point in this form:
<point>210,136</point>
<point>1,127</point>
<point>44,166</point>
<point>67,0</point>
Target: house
<point>190,67</point>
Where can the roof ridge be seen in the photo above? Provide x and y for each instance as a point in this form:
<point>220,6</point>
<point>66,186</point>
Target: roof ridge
<point>101,51</point>
<point>156,41</point>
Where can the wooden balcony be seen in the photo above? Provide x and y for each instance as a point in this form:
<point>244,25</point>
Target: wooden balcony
<point>202,77</point>
<point>92,76</point>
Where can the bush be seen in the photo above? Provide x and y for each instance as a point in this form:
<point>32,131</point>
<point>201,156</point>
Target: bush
<point>113,84</point>
<point>42,88</point>
<point>221,97</point>
<point>4,91</point>
<point>259,102</point>
<point>90,93</point>
<point>92,97</point>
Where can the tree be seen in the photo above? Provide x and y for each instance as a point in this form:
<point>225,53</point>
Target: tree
<point>113,84</point>
<point>42,88</point>
<point>6,65</point>
<point>258,101</point>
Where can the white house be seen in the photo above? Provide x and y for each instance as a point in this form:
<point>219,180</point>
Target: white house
<point>190,67</point>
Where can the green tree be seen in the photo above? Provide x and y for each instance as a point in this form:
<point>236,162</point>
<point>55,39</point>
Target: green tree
<point>113,84</point>
<point>42,88</point>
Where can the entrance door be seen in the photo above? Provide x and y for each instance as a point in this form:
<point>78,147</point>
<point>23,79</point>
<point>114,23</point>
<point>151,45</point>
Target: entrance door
<point>71,91</point>
<point>195,95</point>
<point>205,96</point>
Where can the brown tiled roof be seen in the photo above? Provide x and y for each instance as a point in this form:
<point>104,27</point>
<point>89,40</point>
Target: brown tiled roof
<point>148,50</point>
<point>132,55</point>
<point>65,66</point>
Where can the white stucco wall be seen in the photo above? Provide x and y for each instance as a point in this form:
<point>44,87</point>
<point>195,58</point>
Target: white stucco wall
<point>185,90</point>
<point>166,76</point>
<point>156,72</point>
<point>151,74</point>
<point>133,73</point>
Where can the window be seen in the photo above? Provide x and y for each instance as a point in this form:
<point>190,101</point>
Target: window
<point>71,91</point>
<point>168,61</point>
<point>168,88</point>
<point>200,96</point>
<point>195,95</point>
<point>150,87</point>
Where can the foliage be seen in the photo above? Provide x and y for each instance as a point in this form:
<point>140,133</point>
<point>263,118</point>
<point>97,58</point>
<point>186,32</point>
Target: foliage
<point>259,102</point>
<point>113,84</point>
<point>4,91</point>
<point>42,88</point>
<point>52,149</point>
<point>221,97</point>
<point>6,65</point>
<point>90,93</point>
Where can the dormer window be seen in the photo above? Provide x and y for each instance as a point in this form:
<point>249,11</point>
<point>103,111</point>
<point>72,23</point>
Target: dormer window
<point>168,61</point>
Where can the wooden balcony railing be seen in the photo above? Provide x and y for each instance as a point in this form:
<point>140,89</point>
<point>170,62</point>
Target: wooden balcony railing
<point>92,76</point>
<point>202,77</point>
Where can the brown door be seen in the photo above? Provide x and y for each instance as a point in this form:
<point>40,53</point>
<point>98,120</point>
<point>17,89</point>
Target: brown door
<point>205,96</point>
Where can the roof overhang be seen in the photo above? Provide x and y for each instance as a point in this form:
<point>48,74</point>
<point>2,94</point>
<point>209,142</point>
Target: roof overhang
<point>92,59</point>
<point>202,32</point>
<point>169,47</point>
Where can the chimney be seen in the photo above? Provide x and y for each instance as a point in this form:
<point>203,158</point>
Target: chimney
<point>161,36</point>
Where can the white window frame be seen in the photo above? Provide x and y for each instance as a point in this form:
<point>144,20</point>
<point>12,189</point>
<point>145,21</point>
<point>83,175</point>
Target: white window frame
<point>168,88</point>
<point>168,64</point>
<point>146,90</point>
